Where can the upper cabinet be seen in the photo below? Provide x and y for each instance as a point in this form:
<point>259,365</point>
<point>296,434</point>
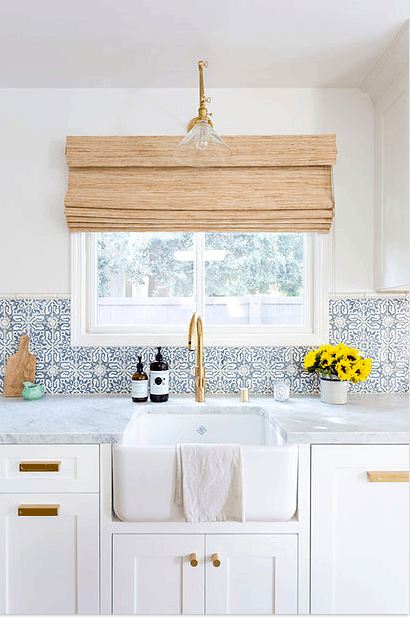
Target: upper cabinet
<point>388,86</point>
<point>392,186</point>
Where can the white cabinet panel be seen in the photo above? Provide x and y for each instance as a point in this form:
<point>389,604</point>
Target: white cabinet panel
<point>78,468</point>
<point>49,564</point>
<point>392,186</point>
<point>152,574</point>
<point>360,529</point>
<point>257,574</point>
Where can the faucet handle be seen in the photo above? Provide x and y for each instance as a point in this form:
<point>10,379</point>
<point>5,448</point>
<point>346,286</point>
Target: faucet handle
<point>244,395</point>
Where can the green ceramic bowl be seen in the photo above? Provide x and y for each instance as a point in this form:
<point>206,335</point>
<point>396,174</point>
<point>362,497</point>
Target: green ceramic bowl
<point>33,391</point>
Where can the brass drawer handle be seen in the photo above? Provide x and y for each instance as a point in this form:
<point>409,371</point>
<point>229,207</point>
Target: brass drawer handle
<point>38,510</point>
<point>193,558</point>
<point>215,560</point>
<point>388,477</point>
<point>39,466</point>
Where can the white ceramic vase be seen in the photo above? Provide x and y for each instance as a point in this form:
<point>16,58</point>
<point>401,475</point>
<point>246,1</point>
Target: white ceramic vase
<point>333,391</point>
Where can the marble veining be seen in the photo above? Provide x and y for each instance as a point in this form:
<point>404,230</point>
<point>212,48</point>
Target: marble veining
<point>366,419</point>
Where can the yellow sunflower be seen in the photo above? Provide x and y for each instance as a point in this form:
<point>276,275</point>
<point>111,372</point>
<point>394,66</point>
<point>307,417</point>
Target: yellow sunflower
<point>344,369</point>
<point>361,369</point>
<point>310,359</point>
<point>326,359</point>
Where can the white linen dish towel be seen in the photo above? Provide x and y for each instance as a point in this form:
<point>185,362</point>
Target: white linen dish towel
<point>208,482</point>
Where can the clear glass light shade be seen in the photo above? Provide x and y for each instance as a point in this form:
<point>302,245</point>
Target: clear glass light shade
<point>202,146</point>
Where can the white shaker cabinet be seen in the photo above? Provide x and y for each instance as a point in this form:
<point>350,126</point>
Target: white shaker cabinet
<point>49,558</point>
<point>49,529</point>
<point>257,574</point>
<point>392,186</point>
<point>235,574</point>
<point>153,574</point>
<point>360,525</point>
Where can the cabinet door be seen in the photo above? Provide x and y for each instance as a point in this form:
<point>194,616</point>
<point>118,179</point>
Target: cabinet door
<point>152,574</point>
<point>391,114</point>
<point>257,574</point>
<point>49,562</point>
<point>359,539</point>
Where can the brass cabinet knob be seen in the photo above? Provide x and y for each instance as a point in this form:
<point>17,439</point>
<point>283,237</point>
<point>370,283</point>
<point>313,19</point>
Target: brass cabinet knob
<point>194,560</point>
<point>215,560</point>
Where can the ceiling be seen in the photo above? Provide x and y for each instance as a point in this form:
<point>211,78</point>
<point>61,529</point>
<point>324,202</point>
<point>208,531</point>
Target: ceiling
<point>157,43</point>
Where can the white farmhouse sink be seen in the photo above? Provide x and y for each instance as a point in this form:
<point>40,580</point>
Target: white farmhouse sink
<point>144,464</point>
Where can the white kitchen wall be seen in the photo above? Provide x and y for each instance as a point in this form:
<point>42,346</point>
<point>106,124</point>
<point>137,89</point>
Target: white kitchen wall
<point>34,241</point>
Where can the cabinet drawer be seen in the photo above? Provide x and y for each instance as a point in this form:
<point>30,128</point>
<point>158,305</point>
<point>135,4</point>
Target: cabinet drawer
<point>43,468</point>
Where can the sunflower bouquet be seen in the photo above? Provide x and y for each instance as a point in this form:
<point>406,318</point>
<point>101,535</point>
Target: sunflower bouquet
<point>339,362</point>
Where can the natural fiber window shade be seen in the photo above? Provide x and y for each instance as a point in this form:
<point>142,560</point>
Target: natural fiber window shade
<point>132,183</point>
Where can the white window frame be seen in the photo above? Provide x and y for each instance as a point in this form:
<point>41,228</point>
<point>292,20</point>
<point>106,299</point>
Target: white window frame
<point>85,332</point>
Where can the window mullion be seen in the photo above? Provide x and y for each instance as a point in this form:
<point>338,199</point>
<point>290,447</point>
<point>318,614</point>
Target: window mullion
<point>200,273</point>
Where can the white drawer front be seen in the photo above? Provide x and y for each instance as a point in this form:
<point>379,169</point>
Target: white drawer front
<point>26,468</point>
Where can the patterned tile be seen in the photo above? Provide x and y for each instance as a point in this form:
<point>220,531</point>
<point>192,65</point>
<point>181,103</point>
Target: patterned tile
<point>17,320</point>
<point>180,359</point>
<point>229,382</point>
<point>213,381</point>
<point>377,327</point>
<point>131,355</point>
<point>112,369</point>
<point>305,383</point>
<point>229,360</point>
<point>182,381</point>
<point>65,371</point>
<point>60,321</point>
<point>212,358</point>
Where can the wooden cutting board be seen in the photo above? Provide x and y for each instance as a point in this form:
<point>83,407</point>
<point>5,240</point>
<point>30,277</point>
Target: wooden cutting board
<point>21,367</point>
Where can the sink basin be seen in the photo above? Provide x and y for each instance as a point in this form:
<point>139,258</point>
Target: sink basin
<point>144,464</point>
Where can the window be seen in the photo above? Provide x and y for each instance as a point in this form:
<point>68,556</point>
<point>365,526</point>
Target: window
<point>132,288</point>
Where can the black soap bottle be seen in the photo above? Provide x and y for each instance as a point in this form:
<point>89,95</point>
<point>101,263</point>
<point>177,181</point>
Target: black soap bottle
<point>139,384</point>
<point>159,379</point>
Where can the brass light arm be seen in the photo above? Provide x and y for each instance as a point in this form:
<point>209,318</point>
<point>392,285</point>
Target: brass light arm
<point>202,146</point>
<point>202,111</point>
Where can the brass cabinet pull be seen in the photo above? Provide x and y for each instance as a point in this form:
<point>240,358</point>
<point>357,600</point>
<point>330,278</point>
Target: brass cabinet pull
<point>388,477</point>
<point>38,510</point>
<point>194,560</point>
<point>215,560</point>
<point>39,466</point>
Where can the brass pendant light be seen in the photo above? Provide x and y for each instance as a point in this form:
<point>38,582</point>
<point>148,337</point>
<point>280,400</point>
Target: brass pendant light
<point>202,146</point>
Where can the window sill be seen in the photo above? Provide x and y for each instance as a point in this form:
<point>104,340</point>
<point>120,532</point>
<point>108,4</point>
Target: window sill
<point>223,339</point>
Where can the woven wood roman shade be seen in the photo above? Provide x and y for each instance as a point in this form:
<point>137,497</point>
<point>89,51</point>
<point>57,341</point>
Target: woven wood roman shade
<point>272,183</point>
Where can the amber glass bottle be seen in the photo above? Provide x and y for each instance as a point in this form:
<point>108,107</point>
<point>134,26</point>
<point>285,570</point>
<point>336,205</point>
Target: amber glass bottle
<point>139,384</point>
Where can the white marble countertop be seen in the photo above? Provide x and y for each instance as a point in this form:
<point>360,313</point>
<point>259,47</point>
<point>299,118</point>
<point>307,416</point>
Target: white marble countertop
<point>366,419</point>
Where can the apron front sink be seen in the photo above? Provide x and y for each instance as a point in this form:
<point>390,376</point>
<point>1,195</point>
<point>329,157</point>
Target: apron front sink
<point>144,464</point>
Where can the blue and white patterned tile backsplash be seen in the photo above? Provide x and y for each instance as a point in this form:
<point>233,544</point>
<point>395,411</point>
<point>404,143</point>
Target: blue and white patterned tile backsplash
<point>378,327</point>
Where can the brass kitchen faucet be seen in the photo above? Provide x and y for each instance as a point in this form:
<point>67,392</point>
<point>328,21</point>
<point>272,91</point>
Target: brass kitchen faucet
<point>196,321</point>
